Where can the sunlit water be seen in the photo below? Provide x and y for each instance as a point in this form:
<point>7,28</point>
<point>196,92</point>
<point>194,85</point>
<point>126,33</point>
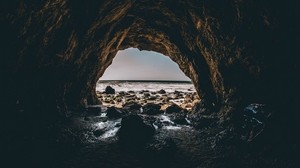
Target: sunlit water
<point>148,85</point>
<point>110,126</point>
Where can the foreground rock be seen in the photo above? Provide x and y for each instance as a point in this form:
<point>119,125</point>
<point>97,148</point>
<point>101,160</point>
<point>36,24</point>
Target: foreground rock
<point>134,132</point>
<point>162,91</point>
<point>113,113</point>
<point>93,110</point>
<point>109,90</point>
<point>174,108</point>
<point>132,106</point>
<point>152,109</point>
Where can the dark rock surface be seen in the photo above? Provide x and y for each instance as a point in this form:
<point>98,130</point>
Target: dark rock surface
<point>113,113</point>
<point>93,110</point>
<point>134,131</point>
<point>132,106</point>
<point>236,52</point>
<point>161,91</point>
<point>152,109</point>
<point>109,90</point>
<point>173,108</point>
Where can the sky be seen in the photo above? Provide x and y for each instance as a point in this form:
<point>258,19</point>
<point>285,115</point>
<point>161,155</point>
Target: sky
<point>133,64</point>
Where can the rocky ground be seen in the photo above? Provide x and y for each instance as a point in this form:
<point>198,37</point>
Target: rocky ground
<point>158,129</point>
<point>149,129</point>
<point>185,100</point>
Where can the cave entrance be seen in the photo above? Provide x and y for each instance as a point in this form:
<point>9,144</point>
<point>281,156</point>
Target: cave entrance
<point>145,77</point>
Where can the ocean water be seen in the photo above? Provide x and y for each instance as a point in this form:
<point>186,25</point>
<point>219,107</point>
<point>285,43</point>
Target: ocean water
<point>168,86</point>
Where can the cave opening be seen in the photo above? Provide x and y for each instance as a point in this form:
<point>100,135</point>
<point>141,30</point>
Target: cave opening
<point>145,77</point>
<point>234,52</point>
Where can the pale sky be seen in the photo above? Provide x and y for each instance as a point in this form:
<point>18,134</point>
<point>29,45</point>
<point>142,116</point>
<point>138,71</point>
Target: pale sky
<point>132,64</point>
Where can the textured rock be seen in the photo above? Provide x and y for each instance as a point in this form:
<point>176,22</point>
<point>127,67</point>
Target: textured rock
<point>113,113</point>
<point>109,90</point>
<point>152,109</point>
<point>236,51</point>
<point>134,132</point>
<point>174,108</point>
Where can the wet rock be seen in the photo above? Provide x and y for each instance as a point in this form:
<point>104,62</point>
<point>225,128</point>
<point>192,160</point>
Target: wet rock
<point>93,110</point>
<point>132,106</point>
<point>87,118</point>
<point>152,98</point>
<point>180,119</point>
<point>174,108</point>
<point>109,90</point>
<point>122,93</point>
<point>131,92</point>
<point>203,121</point>
<point>152,109</point>
<point>98,132</point>
<point>164,148</point>
<point>134,132</point>
<point>255,117</point>
<point>113,113</point>
<point>161,91</point>
<point>119,99</point>
<point>146,94</point>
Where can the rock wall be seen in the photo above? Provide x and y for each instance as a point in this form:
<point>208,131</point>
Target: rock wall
<point>236,51</point>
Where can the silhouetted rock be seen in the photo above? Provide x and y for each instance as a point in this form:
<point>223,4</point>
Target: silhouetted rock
<point>180,119</point>
<point>254,121</point>
<point>94,110</point>
<point>174,108</point>
<point>98,132</point>
<point>113,113</point>
<point>152,98</point>
<point>109,90</point>
<point>161,91</point>
<point>134,132</point>
<point>146,94</point>
<point>203,121</point>
<point>132,106</point>
<point>152,109</point>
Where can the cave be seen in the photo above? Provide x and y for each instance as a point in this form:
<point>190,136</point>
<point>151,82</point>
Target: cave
<point>236,52</point>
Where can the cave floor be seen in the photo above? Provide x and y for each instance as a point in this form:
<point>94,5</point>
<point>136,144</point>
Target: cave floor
<point>172,146</point>
<point>75,144</point>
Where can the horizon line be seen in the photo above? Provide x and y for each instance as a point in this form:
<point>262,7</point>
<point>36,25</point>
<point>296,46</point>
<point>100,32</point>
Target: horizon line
<point>146,80</point>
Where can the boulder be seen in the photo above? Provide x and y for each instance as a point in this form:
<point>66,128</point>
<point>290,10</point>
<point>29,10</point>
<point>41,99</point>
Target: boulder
<point>134,132</point>
<point>132,106</point>
<point>94,110</point>
<point>174,108</point>
<point>113,113</point>
<point>152,98</point>
<point>98,132</point>
<point>152,109</point>
<point>161,91</point>
<point>180,119</point>
<point>109,90</point>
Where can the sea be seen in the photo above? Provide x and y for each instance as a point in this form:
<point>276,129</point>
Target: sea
<point>138,85</point>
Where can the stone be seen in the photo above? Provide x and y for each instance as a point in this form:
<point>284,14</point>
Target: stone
<point>113,113</point>
<point>134,132</point>
<point>98,132</point>
<point>161,91</point>
<point>173,108</point>
<point>93,110</point>
<point>152,109</point>
<point>146,94</point>
<point>152,98</point>
<point>180,119</point>
<point>132,106</point>
<point>109,90</point>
